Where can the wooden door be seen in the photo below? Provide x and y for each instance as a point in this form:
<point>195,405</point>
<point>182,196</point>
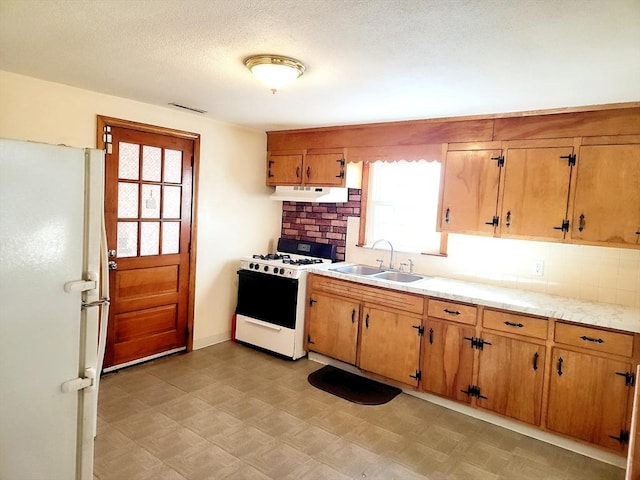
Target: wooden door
<point>510,376</point>
<point>324,169</point>
<point>148,196</point>
<point>607,203</point>
<point>447,359</point>
<point>390,345</point>
<point>284,169</point>
<point>587,398</point>
<point>333,327</point>
<point>470,191</point>
<point>536,192</point>
<point>633,458</point>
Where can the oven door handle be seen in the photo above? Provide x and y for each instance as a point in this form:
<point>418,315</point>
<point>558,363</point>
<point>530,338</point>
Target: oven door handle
<point>270,326</point>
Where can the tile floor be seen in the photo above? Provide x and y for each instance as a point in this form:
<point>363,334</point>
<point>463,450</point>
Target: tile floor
<point>231,412</point>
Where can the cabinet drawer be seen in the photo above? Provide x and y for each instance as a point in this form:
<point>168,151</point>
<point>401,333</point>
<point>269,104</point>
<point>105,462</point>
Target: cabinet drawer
<point>456,312</point>
<point>364,293</point>
<point>515,323</point>
<point>618,343</point>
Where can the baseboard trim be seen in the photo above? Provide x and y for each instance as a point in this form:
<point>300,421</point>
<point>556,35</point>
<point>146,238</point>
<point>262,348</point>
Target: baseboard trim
<point>199,343</point>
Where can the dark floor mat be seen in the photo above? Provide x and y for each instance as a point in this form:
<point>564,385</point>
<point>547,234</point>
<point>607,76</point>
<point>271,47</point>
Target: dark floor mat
<point>352,387</point>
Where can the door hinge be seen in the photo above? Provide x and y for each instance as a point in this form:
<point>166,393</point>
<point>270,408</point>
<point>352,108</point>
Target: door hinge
<point>564,227</point>
<point>311,301</point>
<point>417,376</point>
<point>107,139</point>
<point>473,391</point>
<point>494,222</point>
<point>571,159</point>
<point>477,343</point>
<point>309,339</point>
<point>629,378</point>
<point>500,160</point>
<point>420,329</point>
<point>623,437</point>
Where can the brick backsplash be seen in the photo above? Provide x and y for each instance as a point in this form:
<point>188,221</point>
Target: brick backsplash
<point>320,222</point>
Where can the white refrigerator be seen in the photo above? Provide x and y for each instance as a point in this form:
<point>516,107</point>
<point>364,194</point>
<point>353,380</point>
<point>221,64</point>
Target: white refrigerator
<point>51,301</point>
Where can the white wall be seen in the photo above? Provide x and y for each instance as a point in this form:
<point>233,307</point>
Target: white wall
<point>235,216</point>
<point>601,274</point>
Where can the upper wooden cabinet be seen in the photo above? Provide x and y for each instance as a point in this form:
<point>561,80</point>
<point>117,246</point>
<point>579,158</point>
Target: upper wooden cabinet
<point>536,192</point>
<point>607,201</point>
<point>470,191</point>
<point>307,167</point>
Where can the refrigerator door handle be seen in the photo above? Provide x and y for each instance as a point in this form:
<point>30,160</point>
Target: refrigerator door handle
<point>80,286</point>
<point>79,383</point>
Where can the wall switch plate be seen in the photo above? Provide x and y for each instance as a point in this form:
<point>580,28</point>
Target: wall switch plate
<point>538,268</point>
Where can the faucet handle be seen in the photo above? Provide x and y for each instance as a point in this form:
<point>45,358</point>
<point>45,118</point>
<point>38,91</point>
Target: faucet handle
<point>410,265</point>
<point>381,262</point>
<point>401,266</point>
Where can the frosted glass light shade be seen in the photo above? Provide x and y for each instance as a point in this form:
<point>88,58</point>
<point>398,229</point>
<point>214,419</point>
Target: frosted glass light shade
<point>275,71</point>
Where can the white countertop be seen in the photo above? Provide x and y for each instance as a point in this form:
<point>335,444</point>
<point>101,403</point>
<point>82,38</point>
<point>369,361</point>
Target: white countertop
<point>606,315</point>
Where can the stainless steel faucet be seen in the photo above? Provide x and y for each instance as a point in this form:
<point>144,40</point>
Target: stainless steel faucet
<point>390,246</point>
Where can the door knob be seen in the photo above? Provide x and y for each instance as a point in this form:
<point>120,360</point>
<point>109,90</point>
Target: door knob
<point>113,265</point>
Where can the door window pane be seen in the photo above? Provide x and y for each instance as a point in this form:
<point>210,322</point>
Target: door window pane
<point>173,166</point>
<point>127,244</point>
<point>170,237</point>
<point>150,201</point>
<point>171,202</point>
<point>151,163</point>
<point>129,161</point>
<point>127,200</point>
<point>149,238</point>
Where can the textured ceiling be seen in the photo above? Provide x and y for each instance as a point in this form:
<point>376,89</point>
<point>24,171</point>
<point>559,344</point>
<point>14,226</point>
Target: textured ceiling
<point>367,60</point>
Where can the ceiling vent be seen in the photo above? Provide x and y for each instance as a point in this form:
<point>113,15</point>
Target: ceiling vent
<point>191,109</point>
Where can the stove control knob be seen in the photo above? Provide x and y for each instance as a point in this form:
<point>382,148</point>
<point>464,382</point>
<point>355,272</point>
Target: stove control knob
<point>266,268</point>
<point>251,265</point>
<point>282,271</point>
<point>256,266</point>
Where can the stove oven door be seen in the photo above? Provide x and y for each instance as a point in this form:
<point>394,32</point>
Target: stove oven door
<point>268,298</point>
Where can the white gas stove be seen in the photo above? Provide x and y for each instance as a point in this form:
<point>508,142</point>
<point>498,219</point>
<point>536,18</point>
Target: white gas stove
<point>271,296</point>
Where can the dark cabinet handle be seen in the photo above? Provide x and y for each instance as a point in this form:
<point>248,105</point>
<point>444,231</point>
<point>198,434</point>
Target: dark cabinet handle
<point>446,215</point>
<point>535,360</point>
<point>297,172</point>
<point>594,340</point>
<point>510,324</point>
<point>560,366</point>
<point>451,312</point>
<point>508,219</point>
<point>581,223</point>
<point>308,172</point>
<point>431,336</point>
<point>366,321</point>
<point>353,316</point>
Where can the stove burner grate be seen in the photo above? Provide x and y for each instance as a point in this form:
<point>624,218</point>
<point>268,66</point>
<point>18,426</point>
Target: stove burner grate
<point>272,256</point>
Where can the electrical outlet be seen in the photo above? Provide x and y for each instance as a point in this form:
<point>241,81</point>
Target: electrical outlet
<point>538,268</point>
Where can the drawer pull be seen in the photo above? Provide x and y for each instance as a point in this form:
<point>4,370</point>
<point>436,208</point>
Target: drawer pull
<point>511,324</point>
<point>353,316</point>
<point>560,366</point>
<point>451,312</point>
<point>594,340</point>
<point>446,215</point>
<point>535,361</point>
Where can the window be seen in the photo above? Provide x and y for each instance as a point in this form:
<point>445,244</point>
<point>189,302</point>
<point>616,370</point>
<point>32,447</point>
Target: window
<point>402,205</point>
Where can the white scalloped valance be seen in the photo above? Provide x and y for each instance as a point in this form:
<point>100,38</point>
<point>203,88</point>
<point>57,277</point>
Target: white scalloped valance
<point>393,153</point>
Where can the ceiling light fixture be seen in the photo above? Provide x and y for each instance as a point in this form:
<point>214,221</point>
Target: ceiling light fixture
<point>274,71</point>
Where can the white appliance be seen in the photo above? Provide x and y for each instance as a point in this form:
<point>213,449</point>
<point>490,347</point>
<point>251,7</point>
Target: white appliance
<point>271,296</point>
<point>51,203</point>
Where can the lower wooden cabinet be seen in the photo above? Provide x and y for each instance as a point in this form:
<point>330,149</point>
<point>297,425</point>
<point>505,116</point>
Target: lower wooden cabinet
<point>333,327</point>
<point>447,359</point>
<point>510,377</point>
<point>390,344</point>
<point>588,398</point>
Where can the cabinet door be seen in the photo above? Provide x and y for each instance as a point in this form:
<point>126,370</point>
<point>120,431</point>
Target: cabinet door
<point>510,375</point>
<point>536,192</point>
<point>587,397</point>
<point>633,456</point>
<point>390,345</point>
<point>607,203</point>
<point>470,191</point>
<point>284,170</point>
<point>447,359</point>
<point>333,327</point>
<point>324,169</point>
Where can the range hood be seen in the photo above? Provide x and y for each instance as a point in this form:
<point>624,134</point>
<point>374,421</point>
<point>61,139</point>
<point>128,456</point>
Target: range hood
<point>311,194</point>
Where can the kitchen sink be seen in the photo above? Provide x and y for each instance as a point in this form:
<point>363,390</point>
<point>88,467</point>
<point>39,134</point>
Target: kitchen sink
<point>398,276</point>
<point>357,270</point>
